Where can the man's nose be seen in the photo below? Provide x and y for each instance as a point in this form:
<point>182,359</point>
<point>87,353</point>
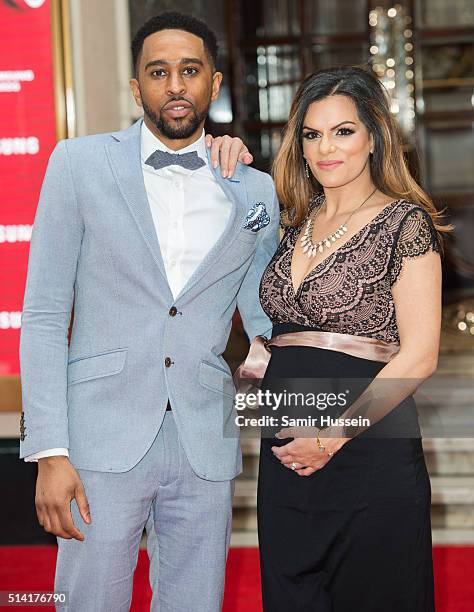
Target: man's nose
<point>176,84</point>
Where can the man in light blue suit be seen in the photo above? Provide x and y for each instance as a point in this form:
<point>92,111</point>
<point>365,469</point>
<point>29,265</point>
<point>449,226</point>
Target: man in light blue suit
<point>132,422</point>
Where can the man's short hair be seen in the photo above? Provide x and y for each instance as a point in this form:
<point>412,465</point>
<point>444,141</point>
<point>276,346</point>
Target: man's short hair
<point>175,21</point>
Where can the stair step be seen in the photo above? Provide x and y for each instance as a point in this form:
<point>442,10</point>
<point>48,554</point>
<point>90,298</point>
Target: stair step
<point>457,363</point>
<point>442,517</point>
<point>452,516</point>
<point>452,490</point>
<point>456,490</point>
<point>444,457</point>
<point>449,456</point>
<point>448,445</point>
<point>438,464</point>
<point>441,537</point>
<point>244,519</point>
<point>251,446</point>
<point>245,495</point>
<point>452,504</point>
<point>449,464</point>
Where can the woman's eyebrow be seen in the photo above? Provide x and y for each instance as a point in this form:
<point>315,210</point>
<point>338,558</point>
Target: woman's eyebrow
<point>306,127</point>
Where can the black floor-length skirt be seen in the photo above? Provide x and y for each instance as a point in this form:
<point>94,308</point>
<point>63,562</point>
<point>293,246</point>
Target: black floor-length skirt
<point>354,536</point>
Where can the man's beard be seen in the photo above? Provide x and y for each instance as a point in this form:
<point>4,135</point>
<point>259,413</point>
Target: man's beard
<point>177,129</point>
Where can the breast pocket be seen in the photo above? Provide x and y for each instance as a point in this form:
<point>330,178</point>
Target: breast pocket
<point>247,235</point>
<point>216,379</point>
<point>96,366</point>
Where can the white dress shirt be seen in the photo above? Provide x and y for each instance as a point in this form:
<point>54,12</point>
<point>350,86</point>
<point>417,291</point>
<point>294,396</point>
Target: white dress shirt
<point>190,212</point>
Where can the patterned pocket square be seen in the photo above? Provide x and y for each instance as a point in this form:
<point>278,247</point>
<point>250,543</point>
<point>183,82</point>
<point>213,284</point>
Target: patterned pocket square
<point>257,217</point>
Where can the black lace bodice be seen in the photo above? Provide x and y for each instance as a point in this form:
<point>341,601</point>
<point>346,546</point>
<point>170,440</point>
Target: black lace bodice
<point>350,290</point>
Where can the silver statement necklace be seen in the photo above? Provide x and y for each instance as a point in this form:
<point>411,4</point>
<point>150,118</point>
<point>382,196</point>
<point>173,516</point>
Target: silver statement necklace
<point>311,248</point>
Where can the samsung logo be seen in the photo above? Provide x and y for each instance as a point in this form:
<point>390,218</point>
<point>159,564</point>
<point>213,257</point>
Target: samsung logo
<point>15,233</point>
<point>19,146</point>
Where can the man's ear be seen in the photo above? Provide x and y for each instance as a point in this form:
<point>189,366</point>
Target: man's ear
<point>216,84</point>
<point>135,88</point>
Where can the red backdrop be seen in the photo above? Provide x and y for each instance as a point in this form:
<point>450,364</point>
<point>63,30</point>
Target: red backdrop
<point>27,137</point>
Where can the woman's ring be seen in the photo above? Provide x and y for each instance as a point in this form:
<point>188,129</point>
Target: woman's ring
<point>293,466</point>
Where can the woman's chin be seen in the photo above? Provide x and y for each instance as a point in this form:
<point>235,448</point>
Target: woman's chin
<point>331,183</point>
<point>334,182</point>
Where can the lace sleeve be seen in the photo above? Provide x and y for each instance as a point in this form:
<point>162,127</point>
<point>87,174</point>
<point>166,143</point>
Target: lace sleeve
<point>416,236</point>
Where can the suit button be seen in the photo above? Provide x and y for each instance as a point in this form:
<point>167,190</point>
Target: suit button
<point>168,362</point>
<point>173,311</point>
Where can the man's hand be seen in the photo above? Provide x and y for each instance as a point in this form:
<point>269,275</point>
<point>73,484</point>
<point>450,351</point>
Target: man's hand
<point>58,483</point>
<point>226,152</point>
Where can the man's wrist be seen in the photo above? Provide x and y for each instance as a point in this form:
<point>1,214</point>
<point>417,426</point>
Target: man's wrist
<point>47,452</point>
<point>53,458</point>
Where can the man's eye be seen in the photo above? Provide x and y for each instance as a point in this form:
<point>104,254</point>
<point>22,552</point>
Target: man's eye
<point>157,73</point>
<point>190,70</point>
<point>345,131</point>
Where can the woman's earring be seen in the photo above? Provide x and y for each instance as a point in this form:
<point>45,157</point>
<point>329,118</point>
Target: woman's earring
<point>306,168</point>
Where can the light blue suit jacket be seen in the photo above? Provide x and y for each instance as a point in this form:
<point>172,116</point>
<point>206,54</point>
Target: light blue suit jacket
<point>94,246</point>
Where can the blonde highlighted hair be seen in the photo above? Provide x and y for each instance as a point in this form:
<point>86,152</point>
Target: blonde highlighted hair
<point>388,168</point>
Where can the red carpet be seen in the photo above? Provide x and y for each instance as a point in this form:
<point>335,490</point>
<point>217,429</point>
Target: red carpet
<point>29,568</point>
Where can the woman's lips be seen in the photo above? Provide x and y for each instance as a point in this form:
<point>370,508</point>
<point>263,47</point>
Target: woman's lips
<point>329,165</point>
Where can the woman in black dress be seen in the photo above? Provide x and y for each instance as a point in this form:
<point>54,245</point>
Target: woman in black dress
<point>344,519</point>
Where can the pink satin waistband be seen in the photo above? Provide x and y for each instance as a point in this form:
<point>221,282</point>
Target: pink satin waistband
<point>256,362</point>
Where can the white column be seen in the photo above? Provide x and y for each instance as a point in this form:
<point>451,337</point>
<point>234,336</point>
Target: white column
<point>100,33</point>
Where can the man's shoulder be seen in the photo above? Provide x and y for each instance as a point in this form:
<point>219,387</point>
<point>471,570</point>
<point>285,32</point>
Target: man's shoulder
<point>257,176</point>
<point>92,141</point>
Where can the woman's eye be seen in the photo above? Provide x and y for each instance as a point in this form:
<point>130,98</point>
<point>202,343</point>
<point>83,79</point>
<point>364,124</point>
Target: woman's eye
<point>310,135</point>
<point>345,131</point>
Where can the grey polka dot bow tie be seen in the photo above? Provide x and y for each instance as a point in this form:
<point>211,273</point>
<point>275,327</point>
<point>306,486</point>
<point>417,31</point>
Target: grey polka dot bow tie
<point>161,159</point>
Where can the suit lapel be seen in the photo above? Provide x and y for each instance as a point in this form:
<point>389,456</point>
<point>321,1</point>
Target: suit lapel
<point>125,159</point>
<point>235,191</point>
<point>124,156</point>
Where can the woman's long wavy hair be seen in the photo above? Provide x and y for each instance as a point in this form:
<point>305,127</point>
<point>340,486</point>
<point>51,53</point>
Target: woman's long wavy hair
<point>388,168</point>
